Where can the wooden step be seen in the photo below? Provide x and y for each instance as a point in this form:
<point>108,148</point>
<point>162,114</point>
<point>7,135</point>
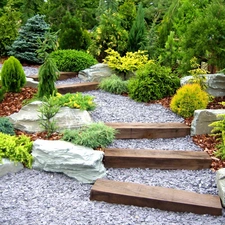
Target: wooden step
<point>155,197</point>
<point>78,87</point>
<point>63,76</point>
<point>150,130</point>
<point>156,159</point>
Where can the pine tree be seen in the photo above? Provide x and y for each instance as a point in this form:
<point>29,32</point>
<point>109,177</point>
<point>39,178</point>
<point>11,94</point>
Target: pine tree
<point>25,46</point>
<point>137,34</point>
<point>71,34</point>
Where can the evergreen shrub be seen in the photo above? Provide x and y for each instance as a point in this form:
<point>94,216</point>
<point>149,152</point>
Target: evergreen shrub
<point>114,84</point>
<point>26,45</point>
<point>48,73</point>
<point>189,98</point>
<point>6,126</point>
<point>152,82</point>
<point>17,149</point>
<point>72,60</point>
<point>95,135</point>
<point>12,75</point>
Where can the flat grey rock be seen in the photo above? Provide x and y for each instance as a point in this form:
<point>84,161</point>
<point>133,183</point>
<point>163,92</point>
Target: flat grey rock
<point>8,166</point>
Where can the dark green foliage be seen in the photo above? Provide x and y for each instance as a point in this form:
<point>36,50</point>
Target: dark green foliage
<point>152,82</point>
<point>71,34</point>
<point>2,93</point>
<point>30,8</point>
<point>25,46</point>
<point>17,149</point>
<point>12,75</point>
<point>72,60</point>
<point>93,136</point>
<point>137,34</point>
<point>205,37</point>
<point>6,126</point>
<point>8,28</point>
<point>114,84</point>
<point>47,75</point>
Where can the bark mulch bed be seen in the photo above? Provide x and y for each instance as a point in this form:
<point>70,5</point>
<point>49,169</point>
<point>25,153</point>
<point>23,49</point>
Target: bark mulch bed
<point>13,102</point>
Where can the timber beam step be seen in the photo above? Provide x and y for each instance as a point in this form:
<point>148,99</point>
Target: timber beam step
<point>156,159</point>
<point>63,76</point>
<point>78,87</point>
<point>150,130</point>
<point>155,197</point>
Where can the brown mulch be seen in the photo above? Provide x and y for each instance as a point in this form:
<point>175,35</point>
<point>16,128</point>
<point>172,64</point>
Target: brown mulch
<point>13,103</point>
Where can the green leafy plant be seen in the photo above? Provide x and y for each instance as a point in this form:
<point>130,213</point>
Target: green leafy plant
<point>129,63</point>
<point>152,82</point>
<point>197,74</point>
<point>48,110</point>
<point>218,130</point>
<point>6,126</point>
<point>17,149</point>
<point>189,98</point>
<point>72,60</point>
<point>114,84</point>
<point>2,93</point>
<point>48,73</point>
<point>95,135</point>
<point>77,100</point>
<point>12,75</point>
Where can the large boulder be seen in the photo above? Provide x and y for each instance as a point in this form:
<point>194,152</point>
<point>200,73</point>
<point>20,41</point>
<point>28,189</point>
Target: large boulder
<point>27,119</point>
<point>220,181</point>
<point>7,166</point>
<point>95,73</point>
<point>79,162</point>
<point>214,82</point>
<point>202,119</point>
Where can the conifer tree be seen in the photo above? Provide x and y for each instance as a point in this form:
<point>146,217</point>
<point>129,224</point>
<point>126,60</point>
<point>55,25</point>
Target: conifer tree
<point>25,46</point>
<point>137,34</point>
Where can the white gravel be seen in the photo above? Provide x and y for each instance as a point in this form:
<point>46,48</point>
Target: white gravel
<point>35,198</point>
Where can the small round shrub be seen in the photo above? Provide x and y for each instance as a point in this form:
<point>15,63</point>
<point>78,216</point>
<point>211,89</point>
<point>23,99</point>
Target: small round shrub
<point>189,98</point>
<point>114,84</point>
<point>6,126</point>
<point>72,60</point>
<point>152,82</point>
<point>12,75</point>
<point>93,136</point>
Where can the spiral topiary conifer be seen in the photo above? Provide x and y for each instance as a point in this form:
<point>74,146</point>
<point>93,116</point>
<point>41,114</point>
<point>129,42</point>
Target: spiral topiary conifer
<point>12,75</point>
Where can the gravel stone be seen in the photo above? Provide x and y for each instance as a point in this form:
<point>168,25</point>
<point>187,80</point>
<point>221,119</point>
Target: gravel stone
<point>34,197</point>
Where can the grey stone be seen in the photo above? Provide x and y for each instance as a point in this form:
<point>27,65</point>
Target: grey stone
<point>202,119</point>
<point>7,166</point>
<point>79,162</point>
<point>95,73</point>
<point>220,181</point>
<point>31,83</point>
<point>214,82</point>
<point>27,119</point>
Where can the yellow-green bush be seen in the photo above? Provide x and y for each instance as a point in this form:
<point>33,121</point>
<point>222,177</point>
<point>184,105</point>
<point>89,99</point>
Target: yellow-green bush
<point>189,98</point>
<point>131,62</point>
<point>17,149</point>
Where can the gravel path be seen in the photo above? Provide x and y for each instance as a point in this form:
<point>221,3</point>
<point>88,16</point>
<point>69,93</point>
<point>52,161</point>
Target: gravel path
<point>34,198</point>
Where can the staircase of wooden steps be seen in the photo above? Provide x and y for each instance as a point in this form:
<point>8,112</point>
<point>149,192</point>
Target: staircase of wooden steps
<point>144,195</point>
<point>155,197</point>
<point>156,159</point>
